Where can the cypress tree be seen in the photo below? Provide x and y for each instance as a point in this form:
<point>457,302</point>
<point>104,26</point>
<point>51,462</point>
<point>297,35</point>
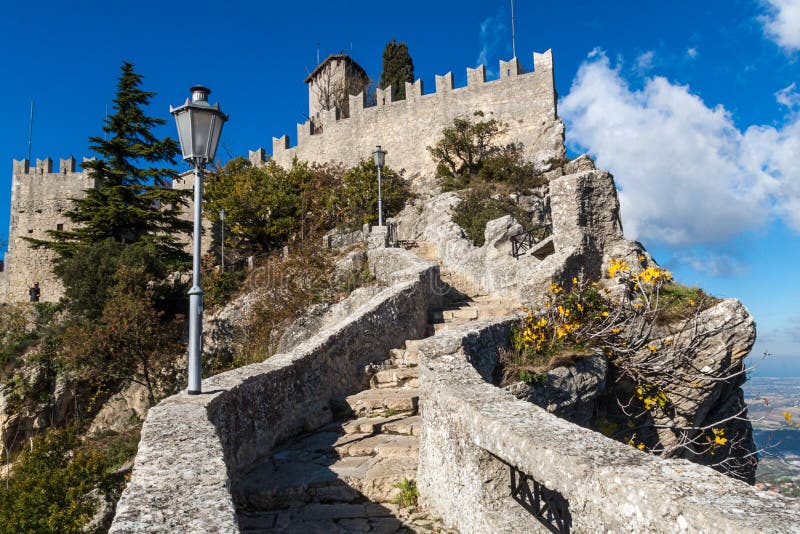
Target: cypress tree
<point>133,201</point>
<point>398,68</point>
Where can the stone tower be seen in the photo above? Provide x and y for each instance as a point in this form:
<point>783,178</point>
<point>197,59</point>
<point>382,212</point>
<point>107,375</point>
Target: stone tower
<point>39,199</point>
<point>331,84</point>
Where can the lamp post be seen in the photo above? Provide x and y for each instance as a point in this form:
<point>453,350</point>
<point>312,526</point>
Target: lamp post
<point>222,215</point>
<point>199,127</point>
<point>380,159</point>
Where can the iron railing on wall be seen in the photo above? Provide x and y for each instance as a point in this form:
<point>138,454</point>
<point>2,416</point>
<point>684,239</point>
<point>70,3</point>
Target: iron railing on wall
<point>525,241</point>
<point>548,506</point>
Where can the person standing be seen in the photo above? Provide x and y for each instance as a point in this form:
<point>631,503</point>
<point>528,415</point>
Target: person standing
<point>35,292</point>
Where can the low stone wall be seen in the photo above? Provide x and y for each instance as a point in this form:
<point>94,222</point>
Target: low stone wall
<point>472,432</point>
<point>193,448</point>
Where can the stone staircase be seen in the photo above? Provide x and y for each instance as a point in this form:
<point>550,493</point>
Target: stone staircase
<point>344,477</point>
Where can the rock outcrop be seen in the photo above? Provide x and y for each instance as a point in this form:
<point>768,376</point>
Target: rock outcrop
<point>582,205</point>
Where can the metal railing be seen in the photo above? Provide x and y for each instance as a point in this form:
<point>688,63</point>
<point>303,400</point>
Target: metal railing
<point>525,241</point>
<point>548,506</point>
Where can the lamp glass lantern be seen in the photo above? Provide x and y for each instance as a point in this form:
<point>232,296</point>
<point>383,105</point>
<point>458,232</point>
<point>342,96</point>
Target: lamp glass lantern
<point>199,126</point>
<point>380,156</point>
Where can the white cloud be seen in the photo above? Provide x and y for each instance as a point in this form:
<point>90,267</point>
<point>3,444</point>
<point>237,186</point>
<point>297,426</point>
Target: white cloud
<point>789,97</point>
<point>692,52</point>
<point>645,61</point>
<point>687,175</point>
<point>782,23</point>
<point>493,31</point>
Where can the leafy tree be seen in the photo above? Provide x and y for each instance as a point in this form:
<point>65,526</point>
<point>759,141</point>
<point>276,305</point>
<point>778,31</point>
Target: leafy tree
<point>49,487</point>
<point>131,341</point>
<point>465,145</point>
<point>263,204</point>
<point>398,68</point>
<point>356,201</point>
<point>269,206</point>
<point>91,273</point>
<point>133,200</point>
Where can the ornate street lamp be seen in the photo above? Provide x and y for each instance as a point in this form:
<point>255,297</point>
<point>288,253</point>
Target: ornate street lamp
<point>199,127</point>
<point>380,159</point>
<point>222,215</point>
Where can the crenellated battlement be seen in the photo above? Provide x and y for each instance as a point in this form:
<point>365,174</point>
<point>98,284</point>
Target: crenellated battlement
<point>45,166</point>
<point>524,101</point>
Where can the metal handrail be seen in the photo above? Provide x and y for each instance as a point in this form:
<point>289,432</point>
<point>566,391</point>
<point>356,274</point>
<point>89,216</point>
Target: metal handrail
<point>526,240</point>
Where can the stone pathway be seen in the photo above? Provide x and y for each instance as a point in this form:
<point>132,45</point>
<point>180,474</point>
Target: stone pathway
<point>344,476</point>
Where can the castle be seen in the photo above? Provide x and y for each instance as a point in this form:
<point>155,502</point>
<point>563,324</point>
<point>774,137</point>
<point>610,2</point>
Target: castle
<point>338,119</point>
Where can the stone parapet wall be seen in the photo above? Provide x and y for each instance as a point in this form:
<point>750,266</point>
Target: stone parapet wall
<point>473,431</point>
<point>525,102</point>
<point>194,447</point>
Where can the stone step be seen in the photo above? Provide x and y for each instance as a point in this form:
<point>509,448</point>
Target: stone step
<point>370,425</point>
<point>407,426</point>
<point>407,376</point>
<point>468,313</point>
<point>402,358</point>
<point>413,344</point>
<point>281,483</point>
<point>380,402</point>
<point>335,518</point>
<point>385,445</point>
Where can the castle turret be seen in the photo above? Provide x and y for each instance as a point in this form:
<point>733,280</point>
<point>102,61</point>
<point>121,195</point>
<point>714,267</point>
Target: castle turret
<point>331,84</point>
<point>39,201</point>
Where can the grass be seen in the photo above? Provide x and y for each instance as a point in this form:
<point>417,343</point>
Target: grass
<point>408,495</point>
<point>678,302</point>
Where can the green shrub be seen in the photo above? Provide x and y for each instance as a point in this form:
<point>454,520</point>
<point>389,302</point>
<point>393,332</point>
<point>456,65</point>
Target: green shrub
<point>478,208</point>
<point>48,490</point>
<point>219,287</point>
<point>408,495</point>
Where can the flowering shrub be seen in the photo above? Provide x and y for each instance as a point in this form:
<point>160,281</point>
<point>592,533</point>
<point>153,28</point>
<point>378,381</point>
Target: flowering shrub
<point>650,334</point>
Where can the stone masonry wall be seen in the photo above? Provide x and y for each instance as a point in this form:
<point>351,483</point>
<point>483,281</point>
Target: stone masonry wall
<point>39,198</point>
<point>473,431</point>
<point>193,447</point>
<point>526,102</point>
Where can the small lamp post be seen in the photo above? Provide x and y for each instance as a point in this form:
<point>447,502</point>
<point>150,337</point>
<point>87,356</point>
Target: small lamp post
<point>199,127</point>
<point>222,215</point>
<point>380,159</point>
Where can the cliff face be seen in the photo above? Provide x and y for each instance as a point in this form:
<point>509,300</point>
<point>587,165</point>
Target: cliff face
<point>701,374</point>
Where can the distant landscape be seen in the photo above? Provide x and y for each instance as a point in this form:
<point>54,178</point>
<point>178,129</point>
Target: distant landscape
<point>769,399</point>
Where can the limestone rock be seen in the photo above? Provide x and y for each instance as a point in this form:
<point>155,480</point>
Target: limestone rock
<point>569,392</point>
<point>24,416</point>
<point>322,316</point>
<point>122,411</point>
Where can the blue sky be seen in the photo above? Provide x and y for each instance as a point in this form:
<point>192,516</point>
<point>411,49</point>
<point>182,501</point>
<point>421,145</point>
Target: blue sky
<point>694,106</point>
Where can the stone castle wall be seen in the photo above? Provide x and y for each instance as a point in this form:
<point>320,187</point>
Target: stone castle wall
<point>526,102</point>
<point>39,200</point>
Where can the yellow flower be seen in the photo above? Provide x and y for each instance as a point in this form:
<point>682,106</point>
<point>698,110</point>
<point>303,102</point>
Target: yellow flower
<point>555,288</point>
<point>651,348</point>
<point>580,307</point>
<point>574,280</point>
<point>604,314</point>
<point>719,436</point>
<point>617,266</point>
<point>788,417</point>
<point>640,446</point>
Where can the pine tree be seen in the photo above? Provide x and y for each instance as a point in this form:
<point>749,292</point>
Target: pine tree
<point>398,68</point>
<point>133,201</point>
